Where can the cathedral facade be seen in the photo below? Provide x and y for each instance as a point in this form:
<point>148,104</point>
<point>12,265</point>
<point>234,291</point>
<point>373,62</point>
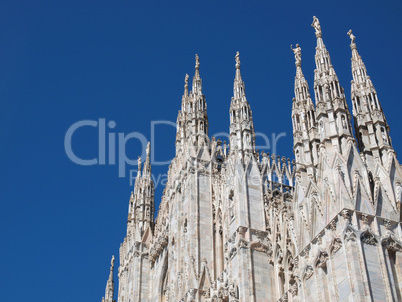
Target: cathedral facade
<point>238,225</point>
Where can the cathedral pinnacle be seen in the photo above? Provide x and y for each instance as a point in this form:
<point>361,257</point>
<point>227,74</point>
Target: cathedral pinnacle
<point>238,86</point>
<point>301,86</point>
<point>297,52</point>
<point>359,70</point>
<point>197,62</point>
<point>186,85</point>
<point>147,165</point>
<point>373,136</point>
<point>237,58</point>
<point>109,292</point>
<point>197,85</point>
<point>139,167</point>
<point>111,269</point>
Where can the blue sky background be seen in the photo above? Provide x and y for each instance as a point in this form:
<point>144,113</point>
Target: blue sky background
<point>125,61</point>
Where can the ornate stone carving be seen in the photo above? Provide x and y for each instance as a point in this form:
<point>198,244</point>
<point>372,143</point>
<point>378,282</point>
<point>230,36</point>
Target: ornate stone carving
<point>346,215</point>
<point>335,246</point>
<point>368,238</point>
<point>308,272</point>
<point>321,258</point>
<point>392,244</point>
<point>349,234</point>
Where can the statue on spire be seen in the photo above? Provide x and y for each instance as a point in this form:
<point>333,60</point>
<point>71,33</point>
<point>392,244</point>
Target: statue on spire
<point>148,149</point>
<point>197,62</point>
<point>112,263</point>
<point>297,52</point>
<point>237,58</point>
<point>186,85</point>
<point>317,26</point>
<point>139,164</point>
<point>351,36</point>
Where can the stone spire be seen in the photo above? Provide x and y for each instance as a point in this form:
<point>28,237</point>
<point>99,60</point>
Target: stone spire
<point>181,117</point>
<point>324,73</point>
<point>186,85</point>
<point>109,292</point>
<point>142,204</point>
<point>192,119</point>
<point>197,83</point>
<point>146,173</point>
<point>333,117</point>
<point>242,136</point>
<point>138,178</point>
<point>302,91</point>
<point>238,85</point>
<point>371,127</point>
<point>359,70</point>
<point>303,117</point>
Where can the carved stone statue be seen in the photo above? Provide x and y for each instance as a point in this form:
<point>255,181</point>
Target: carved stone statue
<point>148,149</point>
<point>317,26</point>
<point>297,52</point>
<point>237,58</point>
<point>139,164</point>
<point>351,36</point>
<point>384,136</point>
<point>344,125</point>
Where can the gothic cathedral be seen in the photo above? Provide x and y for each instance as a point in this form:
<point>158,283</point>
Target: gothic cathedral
<point>237,225</point>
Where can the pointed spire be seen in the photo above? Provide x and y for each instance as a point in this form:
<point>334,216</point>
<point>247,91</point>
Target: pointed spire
<point>186,85</point>
<point>139,167</point>
<point>237,59</point>
<point>302,91</point>
<point>109,291</point>
<point>303,117</point>
<point>359,71</point>
<point>147,166</point>
<point>322,58</point>
<point>197,65</point>
<point>197,84</point>
<point>238,85</point>
<point>242,135</point>
<point>373,141</point>
<point>111,269</point>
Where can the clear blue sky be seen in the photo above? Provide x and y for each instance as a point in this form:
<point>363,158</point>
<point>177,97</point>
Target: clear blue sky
<point>125,61</point>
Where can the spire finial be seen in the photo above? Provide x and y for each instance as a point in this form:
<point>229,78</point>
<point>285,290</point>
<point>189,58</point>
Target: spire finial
<point>197,62</point>
<point>316,25</point>
<point>111,270</point>
<point>351,36</point>
<point>148,149</point>
<point>147,166</point>
<point>197,85</point>
<point>186,85</point>
<point>237,58</point>
<point>297,52</point>
<point>352,39</point>
<point>139,166</point>
<point>112,263</point>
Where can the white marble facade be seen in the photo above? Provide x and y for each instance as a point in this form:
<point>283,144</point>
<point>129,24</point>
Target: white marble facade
<point>236,225</point>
